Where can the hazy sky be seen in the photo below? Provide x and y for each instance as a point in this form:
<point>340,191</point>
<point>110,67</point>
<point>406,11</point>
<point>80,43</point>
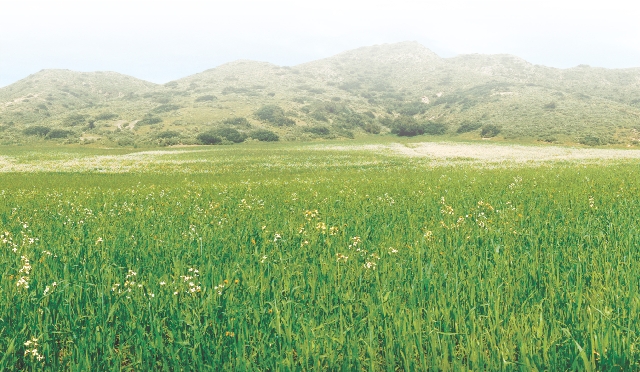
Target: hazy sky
<point>163,40</point>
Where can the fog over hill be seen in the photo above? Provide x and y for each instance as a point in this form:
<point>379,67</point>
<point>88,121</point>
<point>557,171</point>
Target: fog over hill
<point>402,88</point>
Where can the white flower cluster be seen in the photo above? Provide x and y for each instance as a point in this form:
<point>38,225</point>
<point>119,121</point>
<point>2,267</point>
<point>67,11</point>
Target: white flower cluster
<point>32,349</point>
<point>190,281</point>
<point>50,288</point>
<point>23,281</point>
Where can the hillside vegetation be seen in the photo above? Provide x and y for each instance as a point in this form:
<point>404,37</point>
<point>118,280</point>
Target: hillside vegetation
<point>403,89</point>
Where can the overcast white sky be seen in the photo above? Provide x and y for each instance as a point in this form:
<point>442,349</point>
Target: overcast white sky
<point>162,40</point>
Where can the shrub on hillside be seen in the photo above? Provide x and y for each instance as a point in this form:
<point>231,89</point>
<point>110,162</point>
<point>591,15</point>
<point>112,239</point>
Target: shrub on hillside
<point>59,133</point>
<point>490,130</point>
<point>36,130</point>
<point>106,116</point>
<point>74,120</point>
<point>407,127</point>
<point>149,120</point>
<point>373,128</point>
<point>209,138</point>
<point>594,140</point>
<point>208,97</point>
<point>468,127</point>
<point>350,86</point>
<point>168,141</point>
<point>318,115</point>
<point>350,120</point>
<point>264,135</point>
<point>412,108</point>
<point>275,115</point>
<point>346,133</point>
<point>238,122</point>
<point>168,134</point>
<point>320,131</point>
<point>435,129</point>
<point>125,141</point>
<point>230,134</point>
<point>547,138</point>
<point>165,108</point>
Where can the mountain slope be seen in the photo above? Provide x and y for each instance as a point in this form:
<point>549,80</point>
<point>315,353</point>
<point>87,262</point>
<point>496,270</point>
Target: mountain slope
<point>403,88</point>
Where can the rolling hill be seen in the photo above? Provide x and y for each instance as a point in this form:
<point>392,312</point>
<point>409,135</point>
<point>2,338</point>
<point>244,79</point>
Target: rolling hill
<point>402,88</point>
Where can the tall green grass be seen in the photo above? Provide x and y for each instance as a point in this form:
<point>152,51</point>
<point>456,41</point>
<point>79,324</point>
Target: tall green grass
<point>387,266</point>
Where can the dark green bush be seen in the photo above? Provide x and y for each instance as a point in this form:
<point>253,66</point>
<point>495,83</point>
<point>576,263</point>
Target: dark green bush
<point>165,108</point>
<point>209,138</point>
<point>36,130</point>
<point>230,134</point>
<point>236,90</point>
<point>407,127</point>
<point>125,141</point>
<point>208,97</point>
<point>269,113</point>
<point>490,130</point>
<point>413,108</point>
<point>350,86</point>
<point>74,120</point>
<point>168,134</point>
<point>275,115</point>
<point>346,133</point>
<point>593,140</point>
<point>547,138</point>
<point>435,129</point>
<point>264,135</point>
<point>238,122</point>
<point>162,100</point>
<point>149,120</point>
<point>168,141</point>
<point>320,131</point>
<point>334,107</point>
<point>59,133</point>
<point>106,116</point>
<point>318,115</point>
<point>468,127</point>
<point>350,119</point>
<point>386,121</point>
<point>373,128</point>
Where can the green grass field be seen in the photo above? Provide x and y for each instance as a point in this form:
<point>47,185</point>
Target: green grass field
<point>285,258</point>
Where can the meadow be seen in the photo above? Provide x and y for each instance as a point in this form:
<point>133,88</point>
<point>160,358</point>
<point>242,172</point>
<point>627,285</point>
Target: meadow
<point>286,257</point>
